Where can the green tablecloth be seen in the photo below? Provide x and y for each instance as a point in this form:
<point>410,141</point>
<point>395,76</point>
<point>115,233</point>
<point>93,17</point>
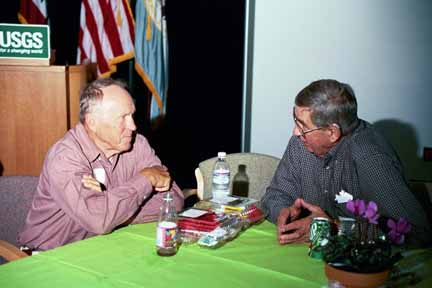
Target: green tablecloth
<point>127,258</point>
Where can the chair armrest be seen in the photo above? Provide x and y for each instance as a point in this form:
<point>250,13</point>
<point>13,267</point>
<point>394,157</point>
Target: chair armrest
<point>10,252</point>
<point>200,183</point>
<point>187,192</point>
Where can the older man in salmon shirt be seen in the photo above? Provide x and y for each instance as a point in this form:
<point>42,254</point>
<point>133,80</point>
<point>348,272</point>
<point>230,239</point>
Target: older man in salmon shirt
<point>99,176</point>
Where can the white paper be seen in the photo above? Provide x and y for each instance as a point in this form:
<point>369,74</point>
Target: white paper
<point>224,200</point>
<point>193,213</point>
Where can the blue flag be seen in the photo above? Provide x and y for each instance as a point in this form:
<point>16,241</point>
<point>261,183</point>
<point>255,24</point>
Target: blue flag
<point>151,51</point>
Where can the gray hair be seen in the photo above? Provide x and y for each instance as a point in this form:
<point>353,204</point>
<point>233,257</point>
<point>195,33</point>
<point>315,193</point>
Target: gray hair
<point>93,94</point>
<point>331,102</point>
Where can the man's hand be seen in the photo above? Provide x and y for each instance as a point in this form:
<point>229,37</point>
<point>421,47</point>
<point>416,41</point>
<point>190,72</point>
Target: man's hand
<point>287,215</point>
<point>91,183</point>
<point>297,230</point>
<point>159,178</point>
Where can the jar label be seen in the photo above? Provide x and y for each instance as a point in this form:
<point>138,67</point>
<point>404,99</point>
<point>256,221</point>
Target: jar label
<point>166,234</point>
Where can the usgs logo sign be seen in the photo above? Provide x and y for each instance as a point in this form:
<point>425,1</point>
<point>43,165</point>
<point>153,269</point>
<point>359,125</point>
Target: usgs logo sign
<point>24,41</point>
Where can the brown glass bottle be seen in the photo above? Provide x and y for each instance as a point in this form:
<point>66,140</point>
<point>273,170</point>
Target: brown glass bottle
<point>241,182</point>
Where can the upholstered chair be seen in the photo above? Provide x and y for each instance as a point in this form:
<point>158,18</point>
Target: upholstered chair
<point>16,194</point>
<point>260,169</point>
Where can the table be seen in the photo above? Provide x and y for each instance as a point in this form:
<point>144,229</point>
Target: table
<point>127,258</point>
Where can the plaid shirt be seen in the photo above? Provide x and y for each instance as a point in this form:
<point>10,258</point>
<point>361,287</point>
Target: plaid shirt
<point>363,164</point>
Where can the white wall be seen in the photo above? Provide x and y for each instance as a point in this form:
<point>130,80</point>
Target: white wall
<point>382,48</point>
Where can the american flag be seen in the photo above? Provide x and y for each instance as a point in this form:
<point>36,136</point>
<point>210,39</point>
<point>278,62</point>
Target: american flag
<point>32,12</point>
<point>106,34</point>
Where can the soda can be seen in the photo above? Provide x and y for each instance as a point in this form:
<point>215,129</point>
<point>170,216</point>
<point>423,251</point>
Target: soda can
<point>319,232</point>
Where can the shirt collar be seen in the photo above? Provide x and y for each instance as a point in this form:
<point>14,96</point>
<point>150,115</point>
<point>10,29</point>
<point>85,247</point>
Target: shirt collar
<point>337,151</point>
<point>333,153</point>
<point>89,148</point>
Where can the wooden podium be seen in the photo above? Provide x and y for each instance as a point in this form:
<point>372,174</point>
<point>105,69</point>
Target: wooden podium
<point>38,104</point>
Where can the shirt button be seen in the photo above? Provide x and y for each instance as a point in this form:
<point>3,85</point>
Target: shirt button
<point>328,167</point>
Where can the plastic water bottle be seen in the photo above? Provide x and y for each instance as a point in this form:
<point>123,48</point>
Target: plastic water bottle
<point>166,231</point>
<point>221,177</point>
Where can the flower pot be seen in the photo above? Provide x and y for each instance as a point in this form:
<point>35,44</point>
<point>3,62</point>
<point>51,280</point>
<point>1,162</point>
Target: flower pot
<point>356,280</point>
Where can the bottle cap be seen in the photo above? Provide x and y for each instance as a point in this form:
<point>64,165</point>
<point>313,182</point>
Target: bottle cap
<point>168,197</point>
<point>221,154</point>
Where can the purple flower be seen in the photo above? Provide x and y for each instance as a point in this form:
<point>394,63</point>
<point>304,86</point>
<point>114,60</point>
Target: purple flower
<point>371,213</point>
<point>398,229</point>
<point>357,207</point>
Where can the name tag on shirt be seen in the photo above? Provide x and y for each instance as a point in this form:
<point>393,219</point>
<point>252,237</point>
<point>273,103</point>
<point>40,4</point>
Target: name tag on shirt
<point>99,175</point>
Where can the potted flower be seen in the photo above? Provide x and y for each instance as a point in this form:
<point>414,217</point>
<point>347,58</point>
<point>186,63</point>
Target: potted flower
<point>362,256</point>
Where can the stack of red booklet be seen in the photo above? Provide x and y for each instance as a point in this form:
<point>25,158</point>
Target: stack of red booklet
<point>253,214</point>
<point>205,223</point>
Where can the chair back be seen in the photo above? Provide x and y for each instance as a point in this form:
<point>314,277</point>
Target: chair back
<point>260,169</point>
<point>16,195</point>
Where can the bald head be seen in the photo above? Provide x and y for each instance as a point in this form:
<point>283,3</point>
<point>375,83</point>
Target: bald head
<point>93,94</point>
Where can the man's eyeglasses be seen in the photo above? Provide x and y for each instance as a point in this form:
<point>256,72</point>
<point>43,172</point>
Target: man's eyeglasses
<point>300,128</point>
